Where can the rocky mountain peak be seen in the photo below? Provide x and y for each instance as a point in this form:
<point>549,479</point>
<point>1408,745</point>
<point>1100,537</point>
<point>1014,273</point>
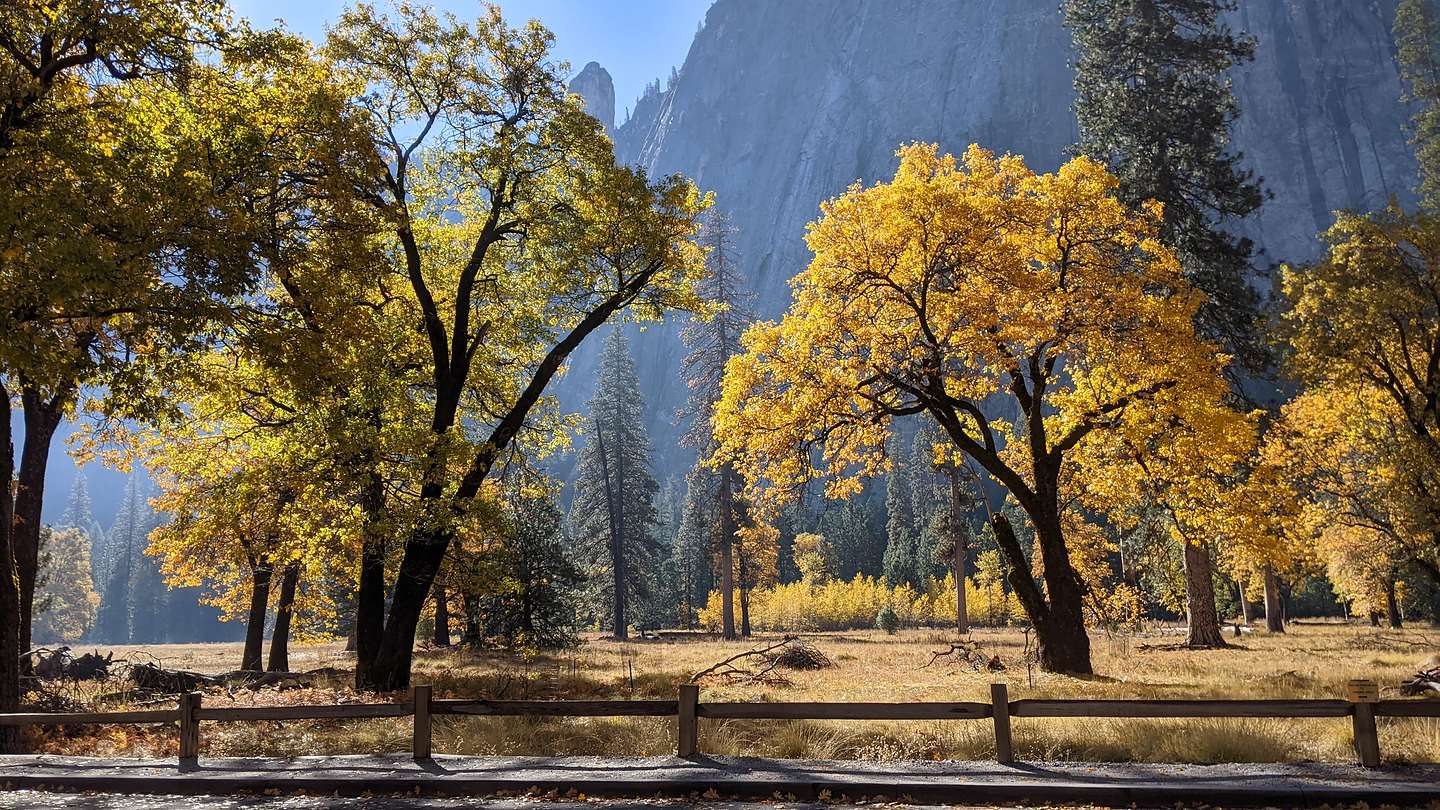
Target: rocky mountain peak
<point>593,83</point>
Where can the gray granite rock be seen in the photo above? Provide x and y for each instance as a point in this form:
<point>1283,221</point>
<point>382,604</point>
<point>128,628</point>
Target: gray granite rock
<point>780,105</point>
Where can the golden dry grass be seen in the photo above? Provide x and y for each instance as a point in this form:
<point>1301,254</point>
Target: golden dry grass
<point>1310,661</point>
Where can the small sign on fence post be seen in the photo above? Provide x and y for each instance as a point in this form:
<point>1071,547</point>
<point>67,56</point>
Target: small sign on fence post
<point>1364,695</point>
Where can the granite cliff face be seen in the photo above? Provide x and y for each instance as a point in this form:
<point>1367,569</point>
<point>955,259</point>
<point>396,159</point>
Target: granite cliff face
<point>780,105</point>
<point>594,84</point>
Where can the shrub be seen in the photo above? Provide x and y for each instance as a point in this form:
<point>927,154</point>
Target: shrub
<point>887,620</point>
<point>854,605</point>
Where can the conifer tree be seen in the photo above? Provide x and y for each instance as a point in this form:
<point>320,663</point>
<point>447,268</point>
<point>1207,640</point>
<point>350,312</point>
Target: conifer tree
<point>614,509</point>
<point>902,539</point>
<point>80,515</point>
<point>112,622</point>
<point>149,619</point>
<point>533,605</point>
<point>694,573</point>
<point>710,344</point>
<point>1417,39</point>
<point>1154,103</point>
<point>852,539</point>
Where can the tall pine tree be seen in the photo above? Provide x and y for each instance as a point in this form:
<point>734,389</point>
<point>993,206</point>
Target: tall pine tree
<point>125,546</point>
<point>690,555</point>
<point>1154,102</point>
<point>710,343</point>
<point>149,617</point>
<point>614,509</point>
<point>80,515</point>
<point>1417,40</point>
<point>901,535</point>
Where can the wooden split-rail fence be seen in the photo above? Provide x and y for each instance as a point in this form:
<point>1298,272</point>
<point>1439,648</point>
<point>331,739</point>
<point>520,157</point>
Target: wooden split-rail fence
<point>1362,706</point>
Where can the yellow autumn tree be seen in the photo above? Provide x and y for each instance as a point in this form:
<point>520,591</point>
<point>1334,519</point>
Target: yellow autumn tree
<point>1363,329</point>
<point>1343,465</point>
<point>1026,313</point>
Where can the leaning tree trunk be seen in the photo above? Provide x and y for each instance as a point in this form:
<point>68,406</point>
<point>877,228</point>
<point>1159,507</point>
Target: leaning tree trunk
<point>1058,615</point>
<point>441,636</point>
<point>1274,616</point>
<point>1244,603</point>
<point>1202,621</point>
<point>255,622</point>
<point>284,613</point>
<point>42,417</point>
<point>390,669</point>
<point>9,590</point>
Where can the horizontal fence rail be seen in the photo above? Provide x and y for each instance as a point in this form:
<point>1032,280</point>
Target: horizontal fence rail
<point>844,711</point>
<point>687,709</point>
<point>557,708</point>
<point>1180,708</point>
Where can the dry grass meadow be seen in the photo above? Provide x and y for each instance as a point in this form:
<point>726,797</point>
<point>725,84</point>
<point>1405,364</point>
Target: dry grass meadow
<point>1309,661</point>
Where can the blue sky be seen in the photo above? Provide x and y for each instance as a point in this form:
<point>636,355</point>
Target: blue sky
<point>636,40</point>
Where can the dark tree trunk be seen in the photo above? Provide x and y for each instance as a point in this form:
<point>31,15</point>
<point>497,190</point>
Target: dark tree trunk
<point>727,555</point>
<point>1202,621</point>
<point>1274,615</point>
<point>284,613</point>
<point>1059,622</point>
<point>255,622</point>
<point>474,632</point>
<point>441,636</point>
<point>9,590</point>
<point>614,513</point>
<point>42,417</point>
<point>744,612</point>
<point>1374,619</point>
<point>744,576</point>
<point>370,593</point>
<point>425,548</point>
<point>390,669</point>
<point>960,551</point>
<point>1392,605</point>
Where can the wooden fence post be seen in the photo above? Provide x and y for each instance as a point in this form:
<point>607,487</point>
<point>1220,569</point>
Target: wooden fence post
<point>1000,711</point>
<point>1363,695</point>
<point>688,744</point>
<point>189,728</point>
<point>420,697</point>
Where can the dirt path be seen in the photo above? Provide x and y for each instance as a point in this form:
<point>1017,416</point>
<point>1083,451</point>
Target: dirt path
<point>743,778</point>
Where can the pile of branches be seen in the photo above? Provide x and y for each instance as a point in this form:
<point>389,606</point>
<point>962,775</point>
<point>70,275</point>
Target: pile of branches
<point>60,665</point>
<point>759,666</point>
<point>797,654</point>
<point>966,653</point>
<point>1426,682</point>
<point>152,677</point>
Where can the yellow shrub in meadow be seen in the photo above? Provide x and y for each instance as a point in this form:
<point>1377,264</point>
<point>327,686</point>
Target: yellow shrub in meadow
<point>808,606</point>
